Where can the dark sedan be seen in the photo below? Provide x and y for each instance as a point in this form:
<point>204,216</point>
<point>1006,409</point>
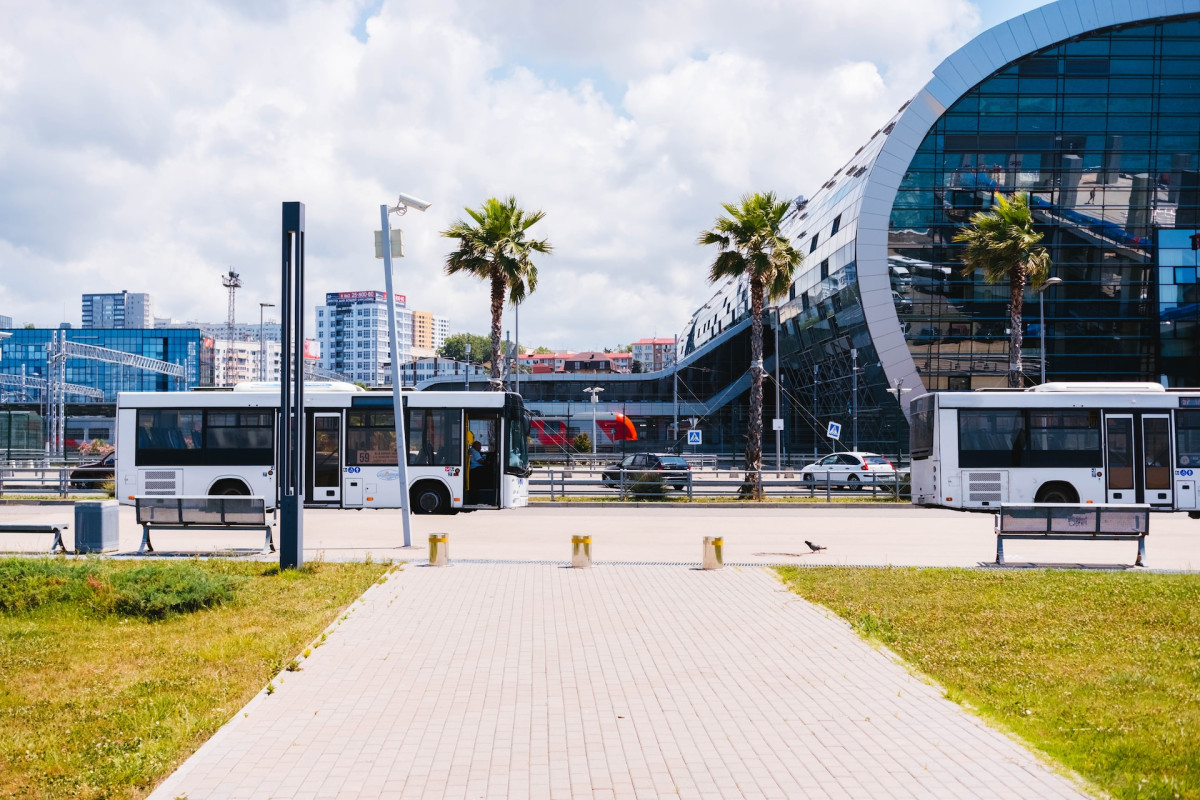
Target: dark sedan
<point>643,467</point>
<point>94,474</point>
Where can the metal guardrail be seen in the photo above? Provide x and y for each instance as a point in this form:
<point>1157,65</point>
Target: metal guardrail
<point>49,480</point>
<point>562,483</point>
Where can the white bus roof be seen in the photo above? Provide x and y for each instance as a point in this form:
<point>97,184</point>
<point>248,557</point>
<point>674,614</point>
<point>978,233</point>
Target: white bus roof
<point>317,386</point>
<point>1122,388</point>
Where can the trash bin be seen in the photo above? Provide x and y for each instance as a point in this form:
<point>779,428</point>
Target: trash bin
<point>97,526</point>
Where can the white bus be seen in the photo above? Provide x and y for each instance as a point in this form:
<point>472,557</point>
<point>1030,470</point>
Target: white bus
<point>225,442</point>
<point>1057,443</point>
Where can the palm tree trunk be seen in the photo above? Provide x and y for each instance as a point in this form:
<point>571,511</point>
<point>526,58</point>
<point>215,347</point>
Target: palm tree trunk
<point>752,488</point>
<point>1016,294</point>
<point>495,384</point>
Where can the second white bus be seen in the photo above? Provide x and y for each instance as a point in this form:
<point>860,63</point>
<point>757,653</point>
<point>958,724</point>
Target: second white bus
<point>1057,443</point>
<point>225,442</point>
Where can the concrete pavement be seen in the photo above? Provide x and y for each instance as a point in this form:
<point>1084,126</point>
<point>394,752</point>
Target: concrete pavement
<point>540,681</point>
<point>900,535</point>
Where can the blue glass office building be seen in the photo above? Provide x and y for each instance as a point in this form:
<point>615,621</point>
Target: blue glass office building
<point>24,354</point>
<point>1090,106</point>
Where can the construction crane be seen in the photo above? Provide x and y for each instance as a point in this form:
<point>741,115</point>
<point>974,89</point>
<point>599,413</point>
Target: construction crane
<point>56,387</point>
<point>231,281</point>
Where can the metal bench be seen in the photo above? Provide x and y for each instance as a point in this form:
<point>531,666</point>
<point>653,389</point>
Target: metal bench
<point>1062,521</point>
<point>203,513</point>
<point>57,530</point>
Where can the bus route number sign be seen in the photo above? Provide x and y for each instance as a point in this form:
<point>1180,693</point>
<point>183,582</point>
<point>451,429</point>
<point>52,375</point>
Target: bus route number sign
<point>834,431</point>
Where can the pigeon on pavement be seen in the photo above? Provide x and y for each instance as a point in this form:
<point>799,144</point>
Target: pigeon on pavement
<point>816,548</point>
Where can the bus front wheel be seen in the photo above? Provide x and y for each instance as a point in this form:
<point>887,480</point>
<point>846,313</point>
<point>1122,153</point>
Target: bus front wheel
<point>429,498</point>
<point>1056,492</point>
<point>230,487</point>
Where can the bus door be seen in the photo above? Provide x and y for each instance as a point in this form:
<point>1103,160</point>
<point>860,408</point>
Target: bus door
<point>324,473</point>
<point>481,486</point>
<point>1156,459</point>
<point>1119,458</point>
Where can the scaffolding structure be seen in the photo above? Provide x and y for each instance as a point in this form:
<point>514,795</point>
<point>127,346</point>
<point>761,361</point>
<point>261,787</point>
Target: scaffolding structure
<point>55,388</point>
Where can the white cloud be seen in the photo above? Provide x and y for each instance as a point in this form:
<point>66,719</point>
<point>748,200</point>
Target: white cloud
<point>148,147</point>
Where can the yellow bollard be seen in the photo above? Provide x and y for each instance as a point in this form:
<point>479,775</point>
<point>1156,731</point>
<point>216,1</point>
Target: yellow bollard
<point>581,551</point>
<point>439,550</point>
<point>714,558</point>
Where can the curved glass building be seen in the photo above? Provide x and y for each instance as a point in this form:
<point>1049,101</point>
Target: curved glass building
<point>1090,106</point>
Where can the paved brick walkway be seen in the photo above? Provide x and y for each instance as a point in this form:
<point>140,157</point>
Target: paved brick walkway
<point>526,680</point>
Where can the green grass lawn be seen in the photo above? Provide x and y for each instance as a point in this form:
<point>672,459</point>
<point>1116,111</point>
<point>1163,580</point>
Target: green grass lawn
<point>113,672</point>
<point>1099,670</point>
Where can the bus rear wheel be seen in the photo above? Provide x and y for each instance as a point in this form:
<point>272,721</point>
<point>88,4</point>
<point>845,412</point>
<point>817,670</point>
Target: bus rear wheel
<point>429,498</point>
<point>230,486</point>
<point>1056,492</point>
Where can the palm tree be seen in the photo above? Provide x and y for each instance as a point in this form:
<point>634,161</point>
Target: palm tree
<point>1003,245</point>
<point>750,245</point>
<point>495,249</point>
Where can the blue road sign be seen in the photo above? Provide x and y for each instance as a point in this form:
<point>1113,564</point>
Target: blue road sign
<point>694,437</point>
<point>834,431</point>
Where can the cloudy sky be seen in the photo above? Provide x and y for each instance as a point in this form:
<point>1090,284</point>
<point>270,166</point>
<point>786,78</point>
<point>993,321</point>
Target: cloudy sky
<point>147,146</point>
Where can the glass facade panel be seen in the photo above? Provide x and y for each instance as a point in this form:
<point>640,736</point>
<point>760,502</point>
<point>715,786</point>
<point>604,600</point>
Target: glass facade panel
<point>1110,176</point>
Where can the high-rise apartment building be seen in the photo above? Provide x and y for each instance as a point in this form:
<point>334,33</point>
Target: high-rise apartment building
<point>655,354</point>
<point>429,333</point>
<point>352,328</point>
<point>117,310</point>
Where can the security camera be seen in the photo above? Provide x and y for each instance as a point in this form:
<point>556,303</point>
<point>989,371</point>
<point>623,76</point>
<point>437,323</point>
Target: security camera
<point>413,202</point>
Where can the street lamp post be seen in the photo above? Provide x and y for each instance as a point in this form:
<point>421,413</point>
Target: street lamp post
<point>262,343</point>
<point>467,369</point>
<point>898,390</point>
<point>1042,319</point>
<point>594,391</point>
<point>854,393</point>
<point>777,422</point>
<point>400,209</point>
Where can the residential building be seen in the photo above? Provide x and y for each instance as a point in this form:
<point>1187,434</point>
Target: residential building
<point>117,310</point>
<point>5,322</point>
<point>242,331</point>
<point>654,354</point>
<point>352,329</point>
<point>541,363</point>
<point>419,370</point>
<point>246,361</point>
<point>429,332</point>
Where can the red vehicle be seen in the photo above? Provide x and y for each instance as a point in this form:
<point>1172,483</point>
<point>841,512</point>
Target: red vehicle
<point>611,427</point>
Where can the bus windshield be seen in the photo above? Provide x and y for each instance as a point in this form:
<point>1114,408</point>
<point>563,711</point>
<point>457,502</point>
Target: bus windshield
<point>517,425</point>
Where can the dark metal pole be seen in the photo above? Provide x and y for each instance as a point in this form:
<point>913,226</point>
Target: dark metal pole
<point>290,469</point>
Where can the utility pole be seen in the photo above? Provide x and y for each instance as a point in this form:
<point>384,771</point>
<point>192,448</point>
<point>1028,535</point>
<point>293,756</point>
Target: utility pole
<point>854,393</point>
<point>778,421</point>
<point>675,391</point>
<point>816,419</point>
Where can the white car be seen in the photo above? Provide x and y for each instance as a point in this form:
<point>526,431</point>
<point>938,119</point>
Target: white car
<point>851,470</point>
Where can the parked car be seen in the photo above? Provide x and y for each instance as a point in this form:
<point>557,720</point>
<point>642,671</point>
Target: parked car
<point>665,467</point>
<point>903,304</point>
<point>849,469</point>
<point>94,473</point>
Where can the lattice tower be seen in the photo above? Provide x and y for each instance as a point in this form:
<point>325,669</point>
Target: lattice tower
<point>232,282</point>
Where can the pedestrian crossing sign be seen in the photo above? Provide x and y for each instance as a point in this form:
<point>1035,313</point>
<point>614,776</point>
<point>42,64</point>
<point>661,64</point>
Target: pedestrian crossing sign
<point>834,431</point>
<point>694,437</point>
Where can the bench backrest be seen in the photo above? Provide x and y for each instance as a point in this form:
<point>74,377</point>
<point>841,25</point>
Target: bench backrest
<point>201,510</point>
<point>1072,518</point>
